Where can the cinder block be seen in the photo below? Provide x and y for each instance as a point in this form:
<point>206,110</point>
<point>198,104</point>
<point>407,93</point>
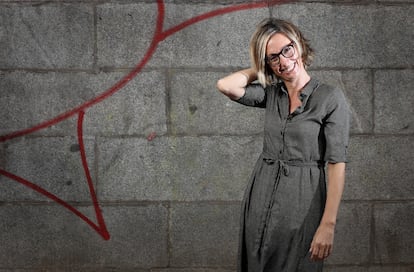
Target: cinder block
<point>198,108</point>
<point>48,237</point>
<point>15,103</point>
<point>394,101</point>
<point>176,168</point>
<point>380,168</point>
<point>357,87</point>
<point>352,234</point>
<point>53,163</point>
<point>139,108</point>
<point>124,33</point>
<point>31,98</point>
<point>220,41</point>
<point>47,36</point>
<point>393,233</point>
<point>204,234</point>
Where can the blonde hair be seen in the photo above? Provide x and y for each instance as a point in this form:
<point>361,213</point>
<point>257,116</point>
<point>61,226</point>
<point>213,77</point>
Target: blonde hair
<point>264,31</point>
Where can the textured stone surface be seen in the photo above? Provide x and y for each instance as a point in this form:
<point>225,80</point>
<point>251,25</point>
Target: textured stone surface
<point>51,163</point>
<point>207,43</point>
<point>46,36</point>
<point>185,168</point>
<point>36,97</point>
<point>33,98</point>
<point>169,155</point>
<point>197,108</point>
<point>137,109</point>
<point>124,32</point>
<point>379,168</point>
<point>393,233</point>
<point>204,234</point>
<point>48,237</point>
<point>394,101</point>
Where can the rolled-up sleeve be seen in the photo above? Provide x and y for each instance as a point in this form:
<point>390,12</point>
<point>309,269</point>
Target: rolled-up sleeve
<point>254,96</point>
<point>336,128</point>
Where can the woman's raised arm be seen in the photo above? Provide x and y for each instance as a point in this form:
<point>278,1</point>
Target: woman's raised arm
<point>233,85</point>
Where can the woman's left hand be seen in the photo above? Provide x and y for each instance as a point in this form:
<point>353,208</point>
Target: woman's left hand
<point>322,243</point>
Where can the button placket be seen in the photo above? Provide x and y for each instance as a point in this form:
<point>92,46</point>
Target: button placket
<point>283,133</point>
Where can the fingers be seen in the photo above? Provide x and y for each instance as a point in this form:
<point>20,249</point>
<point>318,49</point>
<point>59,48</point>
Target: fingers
<point>320,252</point>
<point>321,246</point>
<point>323,252</point>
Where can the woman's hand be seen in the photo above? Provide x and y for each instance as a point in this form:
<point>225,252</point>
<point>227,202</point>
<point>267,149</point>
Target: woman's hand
<point>322,243</point>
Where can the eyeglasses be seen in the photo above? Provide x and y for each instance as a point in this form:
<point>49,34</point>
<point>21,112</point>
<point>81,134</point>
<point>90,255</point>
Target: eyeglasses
<point>288,51</point>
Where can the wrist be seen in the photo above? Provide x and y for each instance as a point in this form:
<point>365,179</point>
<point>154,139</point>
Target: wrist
<point>328,223</point>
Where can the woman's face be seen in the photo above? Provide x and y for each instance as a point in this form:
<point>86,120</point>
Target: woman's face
<point>285,63</point>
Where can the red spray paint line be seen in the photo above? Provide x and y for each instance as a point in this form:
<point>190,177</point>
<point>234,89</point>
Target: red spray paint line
<point>159,36</point>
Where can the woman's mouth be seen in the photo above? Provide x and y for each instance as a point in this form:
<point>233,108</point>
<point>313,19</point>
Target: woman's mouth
<point>289,68</point>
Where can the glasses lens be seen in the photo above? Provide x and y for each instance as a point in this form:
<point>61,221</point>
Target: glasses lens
<point>288,51</point>
<point>274,60</point>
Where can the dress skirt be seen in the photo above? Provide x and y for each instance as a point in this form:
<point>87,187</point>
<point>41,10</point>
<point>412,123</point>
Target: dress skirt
<point>281,211</point>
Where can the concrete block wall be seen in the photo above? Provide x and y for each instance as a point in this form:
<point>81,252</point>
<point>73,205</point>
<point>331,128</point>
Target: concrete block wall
<point>167,157</point>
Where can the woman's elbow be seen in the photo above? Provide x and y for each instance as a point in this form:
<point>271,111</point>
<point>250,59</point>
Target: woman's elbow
<point>221,86</point>
<point>229,91</point>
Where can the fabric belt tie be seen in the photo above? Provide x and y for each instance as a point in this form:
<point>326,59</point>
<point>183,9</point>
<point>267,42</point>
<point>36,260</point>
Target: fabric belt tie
<point>284,164</point>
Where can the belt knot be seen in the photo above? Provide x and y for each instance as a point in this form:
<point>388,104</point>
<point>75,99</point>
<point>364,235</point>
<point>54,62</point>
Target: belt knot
<point>283,166</point>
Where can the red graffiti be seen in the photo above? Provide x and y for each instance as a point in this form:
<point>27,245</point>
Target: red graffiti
<point>158,37</point>
<point>151,136</point>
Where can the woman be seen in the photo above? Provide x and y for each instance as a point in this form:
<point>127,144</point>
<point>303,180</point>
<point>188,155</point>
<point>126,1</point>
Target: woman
<point>289,216</point>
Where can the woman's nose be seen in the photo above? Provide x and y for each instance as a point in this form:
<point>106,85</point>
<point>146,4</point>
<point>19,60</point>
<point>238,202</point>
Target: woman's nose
<point>283,60</point>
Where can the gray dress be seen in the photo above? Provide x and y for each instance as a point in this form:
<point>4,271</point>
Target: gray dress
<point>285,198</point>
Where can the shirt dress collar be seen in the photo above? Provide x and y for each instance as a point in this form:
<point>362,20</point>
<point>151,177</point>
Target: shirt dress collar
<point>304,94</point>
